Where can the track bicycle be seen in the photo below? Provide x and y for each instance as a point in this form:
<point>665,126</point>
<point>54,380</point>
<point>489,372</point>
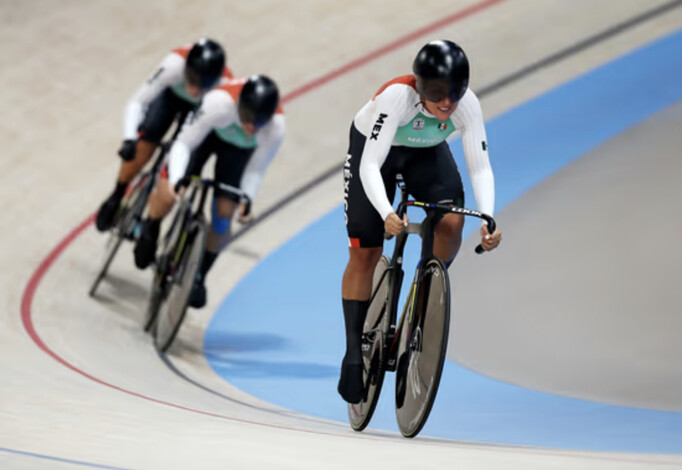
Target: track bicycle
<point>179,260</point>
<point>127,224</point>
<point>415,349</point>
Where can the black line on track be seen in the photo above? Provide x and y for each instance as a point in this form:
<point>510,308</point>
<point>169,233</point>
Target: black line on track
<point>483,92</point>
<point>288,413</point>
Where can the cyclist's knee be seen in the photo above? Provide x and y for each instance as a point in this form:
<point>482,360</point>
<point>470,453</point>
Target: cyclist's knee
<point>221,215</point>
<point>161,200</point>
<point>165,193</point>
<point>364,259</point>
<point>450,226</point>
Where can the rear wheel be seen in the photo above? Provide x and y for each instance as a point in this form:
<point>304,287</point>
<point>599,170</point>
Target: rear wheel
<point>172,311</point>
<point>422,347</point>
<point>375,332</point>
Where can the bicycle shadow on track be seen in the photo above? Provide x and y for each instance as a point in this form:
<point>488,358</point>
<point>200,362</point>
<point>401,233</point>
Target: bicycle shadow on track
<point>118,287</point>
<point>225,352</point>
<point>254,369</point>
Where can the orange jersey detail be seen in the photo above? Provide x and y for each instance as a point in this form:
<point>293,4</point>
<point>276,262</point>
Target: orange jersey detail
<point>183,51</point>
<point>408,80</point>
<point>233,87</point>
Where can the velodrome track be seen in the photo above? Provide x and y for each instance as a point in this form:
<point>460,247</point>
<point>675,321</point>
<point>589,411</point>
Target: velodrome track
<point>101,396</point>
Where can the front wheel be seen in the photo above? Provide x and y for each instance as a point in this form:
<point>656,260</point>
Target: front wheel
<point>157,294</point>
<point>374,348</point>
<point>172,311</point>
<point>422,347</point>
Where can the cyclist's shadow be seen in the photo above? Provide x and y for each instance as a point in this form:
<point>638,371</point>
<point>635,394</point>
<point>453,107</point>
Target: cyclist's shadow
<point>124,296</point>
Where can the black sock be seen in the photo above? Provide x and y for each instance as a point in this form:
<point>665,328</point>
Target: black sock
<point>354,313</point>
<point>152,226</point>
<point>206,263</point>
<point>120,190</point>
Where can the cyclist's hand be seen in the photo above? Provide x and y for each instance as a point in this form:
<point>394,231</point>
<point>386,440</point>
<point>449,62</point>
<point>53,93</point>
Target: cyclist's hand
<point>488,241</point>
<point>394,225</point>
<point>181,186</point>
<point>127,150</point>
<point>244,213</point>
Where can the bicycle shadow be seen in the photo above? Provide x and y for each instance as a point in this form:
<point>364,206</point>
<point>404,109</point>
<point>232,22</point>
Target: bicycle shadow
<point>119,287</point>
<point>225,352</point>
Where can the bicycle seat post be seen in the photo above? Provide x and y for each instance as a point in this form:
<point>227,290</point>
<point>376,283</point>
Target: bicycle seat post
<point>427,233</point>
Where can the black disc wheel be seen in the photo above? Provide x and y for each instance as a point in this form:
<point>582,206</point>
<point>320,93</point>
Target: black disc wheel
<point>375,332</point>
<point>131,209</point>
<point>172,311</point>
<point>157,294</point>
<point>164,265</point>
<point>422,346</point>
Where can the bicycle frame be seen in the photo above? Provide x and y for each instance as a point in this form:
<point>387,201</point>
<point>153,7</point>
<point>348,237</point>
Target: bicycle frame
<point>395,272</point>
<point>198,187</point>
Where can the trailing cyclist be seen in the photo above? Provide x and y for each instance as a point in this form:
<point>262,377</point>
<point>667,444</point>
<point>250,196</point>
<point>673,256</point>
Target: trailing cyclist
<point>402,129</point>
<point>175,89</point>
<point>243,124</point>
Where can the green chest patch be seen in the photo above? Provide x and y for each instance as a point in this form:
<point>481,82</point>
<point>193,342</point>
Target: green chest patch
<point>235,135</point>
<point>179,90</point>
<point>423,131</point>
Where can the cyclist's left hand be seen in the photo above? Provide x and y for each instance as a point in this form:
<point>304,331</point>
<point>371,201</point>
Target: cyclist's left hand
<point>488,241</point>
<point>244,214</point>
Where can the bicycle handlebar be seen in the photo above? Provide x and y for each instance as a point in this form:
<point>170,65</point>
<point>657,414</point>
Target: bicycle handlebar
<point>186,181</point>
<point>443,208</point>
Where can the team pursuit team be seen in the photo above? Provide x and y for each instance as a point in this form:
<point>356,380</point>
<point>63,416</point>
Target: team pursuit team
<point>402,129</point>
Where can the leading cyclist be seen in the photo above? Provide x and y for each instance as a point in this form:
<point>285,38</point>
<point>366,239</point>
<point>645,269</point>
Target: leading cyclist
<point>175,89</point>
<point>402,129</point>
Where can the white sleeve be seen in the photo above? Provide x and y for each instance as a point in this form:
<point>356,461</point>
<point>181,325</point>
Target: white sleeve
<point>213,113</point>
<point>389,108</point>
<point>476,152</point>
<point>269,140</point>
<point>169,73</point>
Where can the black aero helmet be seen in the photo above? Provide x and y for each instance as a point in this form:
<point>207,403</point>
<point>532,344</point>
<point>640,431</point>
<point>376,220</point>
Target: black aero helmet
<point>258,100</point>
<point>442,70</point>
<point>205,63</point>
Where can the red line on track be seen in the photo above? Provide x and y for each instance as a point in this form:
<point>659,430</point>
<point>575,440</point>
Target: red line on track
<point>388,48</point>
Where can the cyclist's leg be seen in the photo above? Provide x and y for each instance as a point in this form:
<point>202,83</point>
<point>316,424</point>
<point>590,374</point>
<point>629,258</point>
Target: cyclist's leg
<point>161,113</point>
<point>161,201</point>
<point>365,234</point>
<point>432,176</point>
<point>158,119</point>
<point>229,168</point>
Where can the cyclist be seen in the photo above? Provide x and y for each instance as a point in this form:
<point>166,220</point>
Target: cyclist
<point>243,124</point>
<point>172,91</point>
<point>402,129</point>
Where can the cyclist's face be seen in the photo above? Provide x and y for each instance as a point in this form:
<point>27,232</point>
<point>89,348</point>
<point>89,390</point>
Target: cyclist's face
<point>193,90</point>
<point>441,109</point>
<point>249,128</point>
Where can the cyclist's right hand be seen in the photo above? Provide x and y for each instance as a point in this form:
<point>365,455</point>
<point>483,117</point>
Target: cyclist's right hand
<point>127,150</point>
<point>181,185</point>
<point>394,225</point>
